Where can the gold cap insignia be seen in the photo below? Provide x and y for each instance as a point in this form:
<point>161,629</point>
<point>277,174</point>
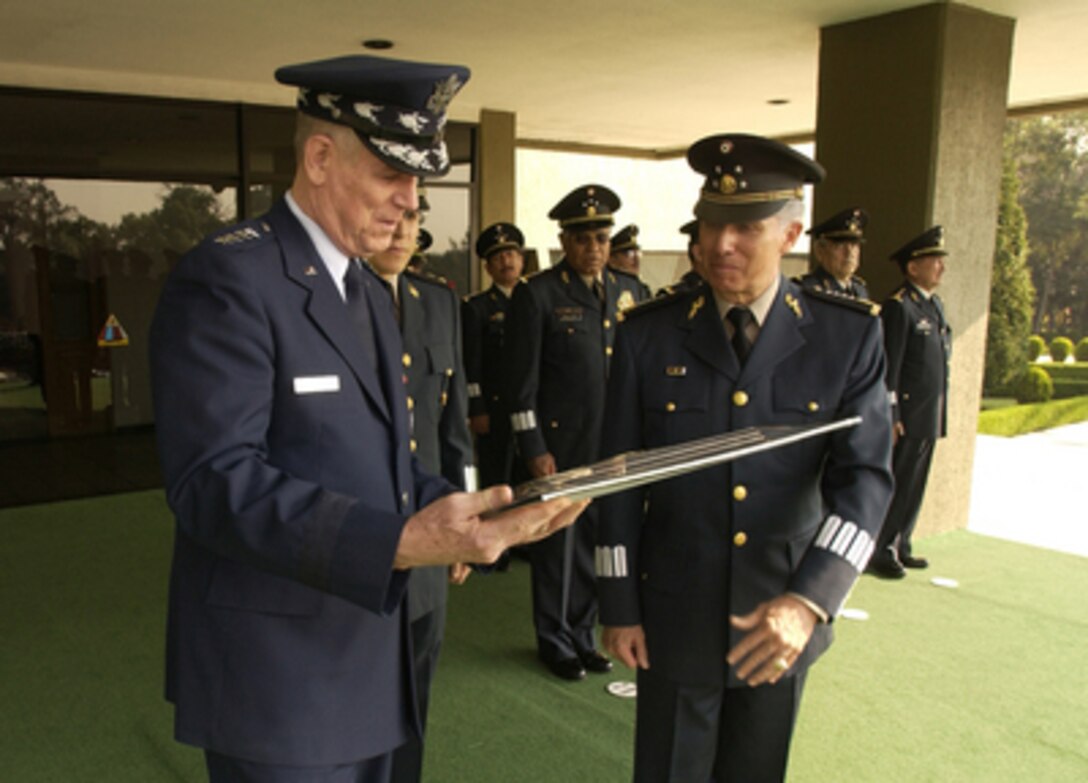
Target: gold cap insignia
<point>728,184</point>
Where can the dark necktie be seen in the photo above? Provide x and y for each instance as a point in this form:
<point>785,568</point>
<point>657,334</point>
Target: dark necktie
<point>740,317</point>
<point>393,300</point>
<point>355,296</point>
<point>598,290</point>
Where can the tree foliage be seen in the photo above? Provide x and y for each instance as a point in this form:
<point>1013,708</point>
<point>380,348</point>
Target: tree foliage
<point>1051,154</point>
<point>1011,291</point>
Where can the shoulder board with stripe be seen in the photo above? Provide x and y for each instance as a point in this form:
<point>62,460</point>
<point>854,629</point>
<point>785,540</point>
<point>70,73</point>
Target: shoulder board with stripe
<point>858,305</point>
<point>242,234</point>
<point>427,277</point>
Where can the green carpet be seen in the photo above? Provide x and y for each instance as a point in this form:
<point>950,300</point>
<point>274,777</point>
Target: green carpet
<point>985,682</point>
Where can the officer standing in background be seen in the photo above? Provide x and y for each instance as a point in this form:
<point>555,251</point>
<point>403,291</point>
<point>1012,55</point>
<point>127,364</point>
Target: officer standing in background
<point>561,326</point>
<point>836,249</point>
<point>720,586</point>
<point>691,278</point>
<point>918,341</point>
<point>484,318</point>
<point>427,311</point>
<point>423,242</point>
<point>626,254</point>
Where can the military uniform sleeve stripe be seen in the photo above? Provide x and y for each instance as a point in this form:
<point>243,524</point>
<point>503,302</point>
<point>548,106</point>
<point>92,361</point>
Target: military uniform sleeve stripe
<point>861,551</point>
<point>846,540</point>
<point>610,561</point>
<point>474,390</point>
<point>828,531</point>
<point>523,421</point>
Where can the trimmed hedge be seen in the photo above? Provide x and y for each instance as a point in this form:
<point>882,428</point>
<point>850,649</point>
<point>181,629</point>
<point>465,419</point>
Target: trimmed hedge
<point>1070,380</point>
<point>1080,353</point>
<point>1020,419</point>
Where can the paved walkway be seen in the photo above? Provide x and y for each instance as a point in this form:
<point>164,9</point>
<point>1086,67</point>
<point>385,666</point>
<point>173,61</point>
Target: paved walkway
<point>1033,488</point>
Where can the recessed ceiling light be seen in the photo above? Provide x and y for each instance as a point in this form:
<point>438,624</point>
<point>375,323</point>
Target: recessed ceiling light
<point>778,101</point>
<point>377,43</point>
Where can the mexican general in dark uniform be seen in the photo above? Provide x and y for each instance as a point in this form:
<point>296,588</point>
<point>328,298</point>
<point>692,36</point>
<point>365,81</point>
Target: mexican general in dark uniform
<point>282,427</point>
<point>559,337</point>
<point>426,309</point>
<point>918,341</point>
<point>836,251</point>
<point>484,321</point>
<point>719,585</point>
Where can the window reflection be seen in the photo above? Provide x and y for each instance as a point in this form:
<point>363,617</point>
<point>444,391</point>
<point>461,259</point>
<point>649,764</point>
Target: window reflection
<point>72,254</point>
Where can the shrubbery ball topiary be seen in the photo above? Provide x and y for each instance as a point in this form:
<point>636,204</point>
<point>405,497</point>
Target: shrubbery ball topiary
<point>1080,353</point>
<point>1036,346</point>
<point>1060,349</point>
<point>1034,386</point>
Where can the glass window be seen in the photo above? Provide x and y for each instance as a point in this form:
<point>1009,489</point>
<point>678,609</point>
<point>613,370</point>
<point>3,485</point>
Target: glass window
<point>81,266</point>
<point>99,196</point>
<point>449,222</point>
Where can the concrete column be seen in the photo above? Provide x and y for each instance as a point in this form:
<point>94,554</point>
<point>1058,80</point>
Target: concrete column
<point>910,118</point>
<point>496,170</point>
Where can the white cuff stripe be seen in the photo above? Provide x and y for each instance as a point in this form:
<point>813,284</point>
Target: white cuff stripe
<point>523,421</point>
<point>610,561</point>
<point>846,540</point>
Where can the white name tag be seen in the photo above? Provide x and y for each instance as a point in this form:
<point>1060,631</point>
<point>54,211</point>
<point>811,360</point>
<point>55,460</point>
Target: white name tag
<point>317,384</point>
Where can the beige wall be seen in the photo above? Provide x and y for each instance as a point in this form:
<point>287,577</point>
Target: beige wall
<point>909,125</point>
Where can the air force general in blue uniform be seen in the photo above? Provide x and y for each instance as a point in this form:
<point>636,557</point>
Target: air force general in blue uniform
<point>283,434</point>
<point>721,585</point>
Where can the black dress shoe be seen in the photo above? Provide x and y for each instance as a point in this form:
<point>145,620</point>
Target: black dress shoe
<point>886,568</point>
<point>913,562</point>
<point>595,662</point>
<point>567,669</point>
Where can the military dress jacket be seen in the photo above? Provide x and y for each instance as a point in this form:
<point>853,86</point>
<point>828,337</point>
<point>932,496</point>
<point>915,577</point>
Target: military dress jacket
<point>437,404</point>
<point>285,455</point>
<point>822,280</point>
<point>559,343</point>
<point>680,556</point>
<point>918,341</point>
<point>483,317</point>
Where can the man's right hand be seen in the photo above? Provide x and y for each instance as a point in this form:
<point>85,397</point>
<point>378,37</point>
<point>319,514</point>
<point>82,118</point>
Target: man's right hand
<point>627,643</point>
<point>541,466</point>
<point>450,529</point>
<point>480,424</point>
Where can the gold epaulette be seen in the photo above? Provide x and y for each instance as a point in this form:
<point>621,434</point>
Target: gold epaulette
<point>858,305</point>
